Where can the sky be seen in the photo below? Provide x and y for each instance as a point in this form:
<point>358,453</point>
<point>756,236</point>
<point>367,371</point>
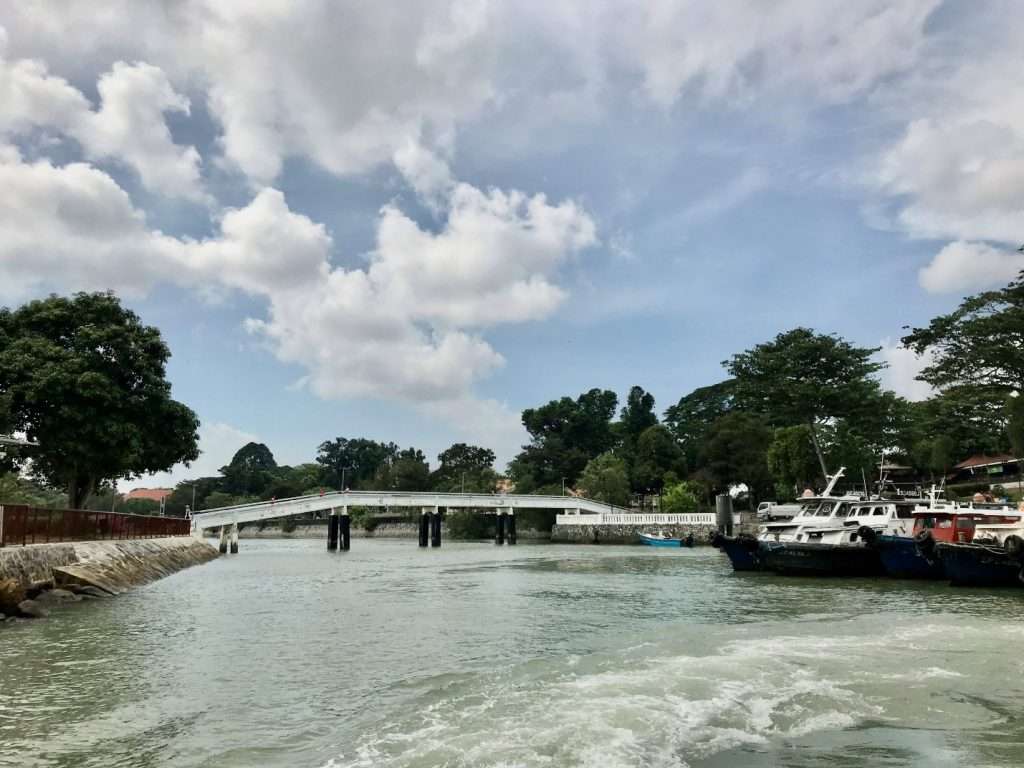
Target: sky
<point>410,221</point>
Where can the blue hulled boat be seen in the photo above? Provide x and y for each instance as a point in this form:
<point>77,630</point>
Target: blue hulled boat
<point>663,540</point>
<point>902,558</point>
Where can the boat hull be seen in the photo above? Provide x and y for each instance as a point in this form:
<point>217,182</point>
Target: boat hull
<point>813,559</point>
<point>975,565</point>
<point>742,551</point>
<point>655,542</point>
<point>902,559</point>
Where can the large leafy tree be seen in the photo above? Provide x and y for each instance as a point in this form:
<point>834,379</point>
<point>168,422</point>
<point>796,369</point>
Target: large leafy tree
<point>792,460</point>
<point>357,460</point>
<point>87,381</point>
<point>406,471</point>
<point>605,479</point>
<point>565,435</point>
<point>736,451</point>
<point>655,455</point>
<point>465,467</point>
<point>251,471</point>
<point>692,417</point>
<point>802,377</point>
<point>979,345</point>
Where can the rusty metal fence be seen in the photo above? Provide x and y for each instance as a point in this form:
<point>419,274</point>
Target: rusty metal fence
<point>20,525</point>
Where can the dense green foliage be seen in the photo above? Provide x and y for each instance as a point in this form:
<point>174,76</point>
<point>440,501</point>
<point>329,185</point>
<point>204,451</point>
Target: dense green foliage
<point>605,478</point>
<point>84,378</point>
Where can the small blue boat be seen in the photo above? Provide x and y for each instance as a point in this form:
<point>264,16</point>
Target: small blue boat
<point>662,540</point>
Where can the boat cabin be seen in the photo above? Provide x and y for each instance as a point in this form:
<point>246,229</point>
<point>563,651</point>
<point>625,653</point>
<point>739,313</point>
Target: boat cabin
<point>957,524</point>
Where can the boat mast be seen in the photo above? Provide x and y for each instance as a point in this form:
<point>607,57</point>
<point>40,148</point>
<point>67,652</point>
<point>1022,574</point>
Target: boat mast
<point>832,481</point>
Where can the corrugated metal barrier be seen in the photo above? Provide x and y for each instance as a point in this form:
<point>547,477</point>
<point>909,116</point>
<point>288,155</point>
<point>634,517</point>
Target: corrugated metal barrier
<point>20,525</point>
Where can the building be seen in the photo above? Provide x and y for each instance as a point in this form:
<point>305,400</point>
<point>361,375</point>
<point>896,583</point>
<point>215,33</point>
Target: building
<point>152,494</point>
<point>1001,469</point>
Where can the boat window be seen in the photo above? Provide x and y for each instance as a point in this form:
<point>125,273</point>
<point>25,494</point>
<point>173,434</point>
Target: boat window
<point>807,510</point>
<point>878,511</point>
<point>841,510</point>
<point>853,512</point>
<point>904,513</point>
<point>825,509</point>
<point>928,522</point>
<point>964,523</point>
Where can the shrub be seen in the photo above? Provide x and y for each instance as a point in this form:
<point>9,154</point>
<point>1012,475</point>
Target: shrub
<point>681,498</point>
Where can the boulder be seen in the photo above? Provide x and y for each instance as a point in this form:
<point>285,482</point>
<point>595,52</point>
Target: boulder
<point>58,596</point>
<point>92,592</point>
<point>11,593</point>
<point>32,609</point>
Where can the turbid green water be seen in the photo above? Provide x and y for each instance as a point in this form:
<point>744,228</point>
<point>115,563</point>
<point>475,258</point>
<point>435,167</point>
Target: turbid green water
<point>287,655</point>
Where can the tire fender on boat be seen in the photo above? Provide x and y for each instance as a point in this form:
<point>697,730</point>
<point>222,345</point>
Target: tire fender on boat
<point>925,544</point>
<point>1014,545</point>
<point>867,534</point>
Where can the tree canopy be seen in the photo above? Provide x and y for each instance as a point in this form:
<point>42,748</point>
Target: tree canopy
<point>565,435</point>
<point>87,381</point>
<point>605,479</point>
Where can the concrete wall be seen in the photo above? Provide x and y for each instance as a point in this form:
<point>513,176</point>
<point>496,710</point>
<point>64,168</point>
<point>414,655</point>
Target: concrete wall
<point>625,534</point>
<point>113,566</point>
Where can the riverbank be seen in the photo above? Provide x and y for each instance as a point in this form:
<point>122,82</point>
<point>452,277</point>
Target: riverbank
<point>90,568</point>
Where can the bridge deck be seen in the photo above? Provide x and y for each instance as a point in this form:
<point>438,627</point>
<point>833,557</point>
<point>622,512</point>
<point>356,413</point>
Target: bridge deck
<point>247,513</point>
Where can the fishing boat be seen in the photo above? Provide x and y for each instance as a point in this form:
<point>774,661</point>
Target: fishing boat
<point>842,548</point>
<point>746,552</point>
<point>912,555</point>
<point>662,539</point>
<point>993,558</point>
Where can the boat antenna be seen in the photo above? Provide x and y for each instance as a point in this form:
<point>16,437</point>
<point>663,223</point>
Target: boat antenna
<point>832,480</point>
<point>864,477</point>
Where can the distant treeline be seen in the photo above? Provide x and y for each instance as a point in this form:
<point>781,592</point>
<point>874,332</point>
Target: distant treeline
<point>785,412</point>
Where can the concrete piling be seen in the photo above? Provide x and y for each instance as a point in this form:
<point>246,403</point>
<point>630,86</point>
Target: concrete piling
<point>723,510</point>
<point>424,527</point>
<point>332,532</point>
<point>222,547</point>
<point>344,531</point>
<point>435,528</point>
<point>510,527</point>
<point>234,539</point>
<point>499,528</point>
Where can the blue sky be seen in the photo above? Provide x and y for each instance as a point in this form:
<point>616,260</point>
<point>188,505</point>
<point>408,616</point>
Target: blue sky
<point>411,222</point>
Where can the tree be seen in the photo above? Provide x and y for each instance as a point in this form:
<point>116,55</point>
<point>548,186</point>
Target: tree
<point>565,435</point>
<point>1015,430</point>
<point>969,417</point>
<point>805,378</point>
<point>465,467</point>
<point>692,417</point>
<point>681,498</point>
<point>637,415</point>
<point>605,479</point>
<point>251,470</point>
<point>978,345</point>
<point>656,454</point>
<point>792,460</point>
<point>356,460</point>
<point>408,471</point>
<point>87,381</point>
<point>736,451</point>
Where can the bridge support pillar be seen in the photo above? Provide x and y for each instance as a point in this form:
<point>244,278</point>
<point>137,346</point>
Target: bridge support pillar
<point>223,546</point>
<point>510,527</point>
<point>234,539</point>
<point>344,531</point>
<point>499,528</point>
<point>424,526</point>
<point>435,528</point>
<point>332,531</point>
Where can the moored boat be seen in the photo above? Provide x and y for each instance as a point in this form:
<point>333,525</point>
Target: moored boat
<point>842,549</point>
<point>662,539</point>
<point>993,558</point>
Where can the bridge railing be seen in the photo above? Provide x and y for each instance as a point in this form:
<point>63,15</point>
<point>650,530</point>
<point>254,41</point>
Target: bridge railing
<point>21,525</point>
<point>639,518</point>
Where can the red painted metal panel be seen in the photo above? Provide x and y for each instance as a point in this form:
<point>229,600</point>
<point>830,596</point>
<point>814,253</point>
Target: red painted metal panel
<point>32,525</point>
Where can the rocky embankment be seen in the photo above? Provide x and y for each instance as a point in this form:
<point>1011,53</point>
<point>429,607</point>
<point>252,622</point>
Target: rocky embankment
<point>37,577</point>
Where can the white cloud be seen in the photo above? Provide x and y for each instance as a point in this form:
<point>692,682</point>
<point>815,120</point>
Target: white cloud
<point>218,443</point>
<point>964,267</point>
<point>74,227</point>
<point>904,366</point>
<point>128,128</point>
<point>738,51</point>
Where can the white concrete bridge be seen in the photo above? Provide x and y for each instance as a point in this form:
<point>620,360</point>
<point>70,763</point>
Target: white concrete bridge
<point>338,503</point>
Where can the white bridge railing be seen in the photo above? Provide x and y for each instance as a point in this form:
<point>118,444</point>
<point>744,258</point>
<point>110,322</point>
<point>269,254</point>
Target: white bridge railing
<point>601,518</point>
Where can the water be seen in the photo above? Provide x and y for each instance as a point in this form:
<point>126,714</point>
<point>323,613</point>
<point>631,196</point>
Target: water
<point>287,655</point>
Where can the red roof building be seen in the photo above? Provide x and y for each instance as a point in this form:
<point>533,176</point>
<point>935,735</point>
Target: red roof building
<point>153,494</point>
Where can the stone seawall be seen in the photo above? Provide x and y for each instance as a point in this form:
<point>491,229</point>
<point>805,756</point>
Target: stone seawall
<point>626,534</point>
<point>112,566</point>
